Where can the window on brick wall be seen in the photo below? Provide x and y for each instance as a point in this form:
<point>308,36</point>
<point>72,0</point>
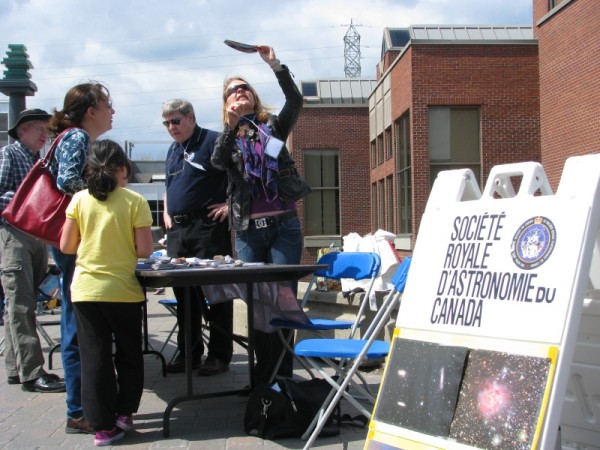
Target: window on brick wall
<point>454,140</point>
<point>389,203</point>
<point>322,205</point>
<point>388,143</point>
<point>403,199</point>
<point>380,149</point>
<point>381,206</point>
<point>373,154</point>
<point>374,209</point>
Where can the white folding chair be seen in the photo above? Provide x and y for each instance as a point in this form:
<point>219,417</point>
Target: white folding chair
<point>322,354</point>
<point>352,265</point>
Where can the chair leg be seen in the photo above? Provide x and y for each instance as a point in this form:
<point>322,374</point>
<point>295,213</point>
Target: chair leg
<point>204,336</point>
<point>168,338</point>
<point>51,354</point>
<point>44,334</point>
<point>337,392</point>
<point>348,373</point>
<point>340,371</point>
<point>288,348</point>
<point>173,311</point>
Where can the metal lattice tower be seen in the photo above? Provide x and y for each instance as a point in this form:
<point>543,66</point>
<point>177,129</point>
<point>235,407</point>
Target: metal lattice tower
<point>352,52</point>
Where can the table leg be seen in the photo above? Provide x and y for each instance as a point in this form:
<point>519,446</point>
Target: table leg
<point>187,308</point>
<point>250,319</point>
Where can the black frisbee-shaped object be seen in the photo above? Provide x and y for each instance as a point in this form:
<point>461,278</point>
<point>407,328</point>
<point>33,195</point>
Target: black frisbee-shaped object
<point>246,48</point>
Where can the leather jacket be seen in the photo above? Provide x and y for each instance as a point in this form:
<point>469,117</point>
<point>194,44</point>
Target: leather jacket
<point>227,154</point>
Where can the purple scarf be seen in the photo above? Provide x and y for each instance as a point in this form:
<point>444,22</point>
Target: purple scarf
<point>262,171</point>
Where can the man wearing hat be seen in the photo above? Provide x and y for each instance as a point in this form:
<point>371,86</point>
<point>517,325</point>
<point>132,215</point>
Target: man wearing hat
<point>24,261</point>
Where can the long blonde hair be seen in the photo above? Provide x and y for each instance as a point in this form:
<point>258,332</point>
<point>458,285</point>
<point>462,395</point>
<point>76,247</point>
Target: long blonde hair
<point>261,111</point>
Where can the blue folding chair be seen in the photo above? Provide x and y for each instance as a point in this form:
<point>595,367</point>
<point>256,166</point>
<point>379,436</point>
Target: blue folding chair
<point>352,265</point>
<point>171,305</point>
<point>350,353</point>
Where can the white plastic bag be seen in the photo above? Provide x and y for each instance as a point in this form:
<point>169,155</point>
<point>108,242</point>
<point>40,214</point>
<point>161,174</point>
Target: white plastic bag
<point>382,243</point>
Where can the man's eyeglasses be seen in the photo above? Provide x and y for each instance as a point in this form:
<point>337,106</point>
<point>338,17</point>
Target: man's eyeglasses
<point>175,121</point>
<point>234,88</point>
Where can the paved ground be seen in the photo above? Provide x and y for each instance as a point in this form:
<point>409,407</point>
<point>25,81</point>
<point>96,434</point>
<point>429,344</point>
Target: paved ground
<point>36,421</point>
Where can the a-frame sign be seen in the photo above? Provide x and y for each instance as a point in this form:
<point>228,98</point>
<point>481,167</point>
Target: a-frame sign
<point>487,329</point>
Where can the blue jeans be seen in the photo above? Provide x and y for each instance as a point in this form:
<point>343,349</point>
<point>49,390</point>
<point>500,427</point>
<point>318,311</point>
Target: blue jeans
<point>69,347</point>
<point>280,243</point>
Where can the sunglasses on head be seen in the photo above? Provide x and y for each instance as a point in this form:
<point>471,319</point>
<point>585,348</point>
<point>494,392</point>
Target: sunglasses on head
<point>175,121</point>
<point>234,88</point>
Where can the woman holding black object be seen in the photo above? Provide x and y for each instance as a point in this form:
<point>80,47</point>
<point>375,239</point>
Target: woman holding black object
<point>263,215</point>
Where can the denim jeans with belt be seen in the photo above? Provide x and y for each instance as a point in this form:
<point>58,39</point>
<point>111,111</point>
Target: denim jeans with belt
<point>69,347</point>
<point>278,243</point>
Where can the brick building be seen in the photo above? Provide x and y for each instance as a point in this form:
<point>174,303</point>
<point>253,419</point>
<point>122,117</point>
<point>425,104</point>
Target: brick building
<point>330,145</point>
<point>569,43</point>
<point>452,97</point>
<point>445,97</point>
<point>569,40</point>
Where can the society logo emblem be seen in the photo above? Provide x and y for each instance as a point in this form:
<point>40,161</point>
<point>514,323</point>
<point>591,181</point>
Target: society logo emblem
<point>533,242</point>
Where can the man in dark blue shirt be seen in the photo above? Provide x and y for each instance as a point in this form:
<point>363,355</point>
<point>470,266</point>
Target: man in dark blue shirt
<point>24,261</point>
<point>195,216</point>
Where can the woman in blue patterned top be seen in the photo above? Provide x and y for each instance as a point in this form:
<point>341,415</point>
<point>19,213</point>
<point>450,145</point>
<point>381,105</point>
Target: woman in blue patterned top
<point>87,113</point>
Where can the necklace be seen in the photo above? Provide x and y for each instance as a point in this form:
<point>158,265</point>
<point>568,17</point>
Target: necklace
<point>248,132</point>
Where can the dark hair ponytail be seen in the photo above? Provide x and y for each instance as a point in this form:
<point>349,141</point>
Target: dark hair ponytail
<point>105,158</point>
<point>77,101</point>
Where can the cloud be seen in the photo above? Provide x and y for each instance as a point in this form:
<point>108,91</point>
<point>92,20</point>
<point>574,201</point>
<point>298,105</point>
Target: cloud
<point>147,51</point>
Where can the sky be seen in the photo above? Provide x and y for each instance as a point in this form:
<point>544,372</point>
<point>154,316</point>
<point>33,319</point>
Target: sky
<point>149,51</point>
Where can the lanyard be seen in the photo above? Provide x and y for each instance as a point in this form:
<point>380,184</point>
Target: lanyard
<point>188,157</point>
<point>272,146</point>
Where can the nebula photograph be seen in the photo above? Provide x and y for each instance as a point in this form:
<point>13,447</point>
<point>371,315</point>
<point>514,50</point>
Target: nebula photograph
<point>500,400</point>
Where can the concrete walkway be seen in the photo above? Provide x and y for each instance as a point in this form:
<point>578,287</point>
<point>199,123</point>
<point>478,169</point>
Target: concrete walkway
<point>37,421</point>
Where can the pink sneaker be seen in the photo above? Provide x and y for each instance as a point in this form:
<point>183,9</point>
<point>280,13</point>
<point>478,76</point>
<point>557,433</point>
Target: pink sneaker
<point>125,423</point>
<point>107,437</point>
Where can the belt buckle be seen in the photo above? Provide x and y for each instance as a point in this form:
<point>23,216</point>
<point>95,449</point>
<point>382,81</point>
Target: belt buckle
<point>179,219</point>
<point>260,223</point>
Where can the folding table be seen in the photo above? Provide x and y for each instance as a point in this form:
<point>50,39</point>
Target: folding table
<point>195,276</point>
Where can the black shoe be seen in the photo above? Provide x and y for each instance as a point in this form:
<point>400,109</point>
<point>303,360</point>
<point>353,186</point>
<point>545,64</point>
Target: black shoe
<point>45,383</point>
<point>178,364</point>
<point>212,366</point>
<point>17,380</point>
<point>53,377</point>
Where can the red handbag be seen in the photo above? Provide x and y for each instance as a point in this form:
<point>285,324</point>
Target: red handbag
<point>38,206</point>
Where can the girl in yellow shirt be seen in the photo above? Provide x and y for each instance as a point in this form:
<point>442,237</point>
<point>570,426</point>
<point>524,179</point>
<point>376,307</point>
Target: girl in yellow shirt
<point>108,227</point>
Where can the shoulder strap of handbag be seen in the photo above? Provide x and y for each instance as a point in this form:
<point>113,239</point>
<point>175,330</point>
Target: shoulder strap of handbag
<point>52,149</point>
